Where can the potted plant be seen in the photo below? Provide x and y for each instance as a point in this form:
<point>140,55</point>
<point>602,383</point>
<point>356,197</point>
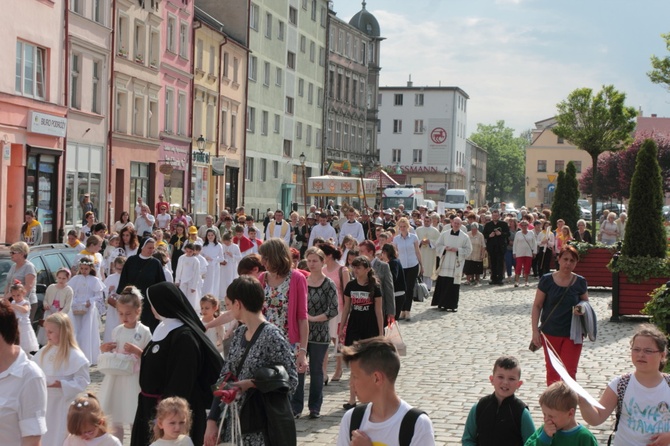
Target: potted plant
<point>153,64</point>
<point>123,52</point>
<point>139,58</point>
<point>642,265</point>
<point>593,261</point>
<point>658,307</point>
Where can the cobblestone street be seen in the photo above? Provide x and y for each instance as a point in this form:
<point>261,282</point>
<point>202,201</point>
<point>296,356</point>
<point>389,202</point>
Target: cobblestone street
<point>450,357</point>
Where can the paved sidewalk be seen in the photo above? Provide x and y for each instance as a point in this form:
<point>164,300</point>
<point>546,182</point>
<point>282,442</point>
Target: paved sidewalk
<point>450,357</point>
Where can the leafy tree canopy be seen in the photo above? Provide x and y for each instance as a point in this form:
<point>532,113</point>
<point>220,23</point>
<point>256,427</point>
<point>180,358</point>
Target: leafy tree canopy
<point>505,164</point>
<point>660,73</point>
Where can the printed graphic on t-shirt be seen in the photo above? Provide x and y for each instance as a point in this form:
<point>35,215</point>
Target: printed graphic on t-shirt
<point>360,301</point>
<point>647,419</point>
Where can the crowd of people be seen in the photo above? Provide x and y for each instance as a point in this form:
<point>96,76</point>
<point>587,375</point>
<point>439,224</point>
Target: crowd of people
<point>236,300</point>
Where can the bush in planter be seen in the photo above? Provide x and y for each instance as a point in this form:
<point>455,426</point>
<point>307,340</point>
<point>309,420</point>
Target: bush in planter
<point>583,248</point>
<point>658,307</point>
<point>644,209</point>
<point>640,269</point>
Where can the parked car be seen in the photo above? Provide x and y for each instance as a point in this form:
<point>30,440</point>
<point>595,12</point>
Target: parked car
<point>47,260</point>
<point>666,212</point>
<point>509,207</point>
<point>617,208</point>
<point>584,209</point>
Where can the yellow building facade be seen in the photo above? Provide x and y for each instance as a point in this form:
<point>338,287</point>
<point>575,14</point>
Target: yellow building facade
<point>545,157</point>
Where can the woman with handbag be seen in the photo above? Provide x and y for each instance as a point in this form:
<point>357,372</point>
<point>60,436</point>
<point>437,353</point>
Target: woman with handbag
<point>639,399</point>
<point>409,255</point>
<point>390,256</point>
<point>266,417</point>
<point>454,247</point>
<point>557,295</point>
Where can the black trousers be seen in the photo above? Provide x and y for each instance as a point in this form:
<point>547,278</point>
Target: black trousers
<point>410,279</point>
<point>497,263</point>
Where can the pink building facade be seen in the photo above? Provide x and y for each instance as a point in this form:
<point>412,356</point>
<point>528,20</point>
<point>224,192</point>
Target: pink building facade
<point>33,122</point>
<point>176,80</point>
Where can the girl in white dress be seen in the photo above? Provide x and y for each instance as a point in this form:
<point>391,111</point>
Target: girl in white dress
<point>21,307</point>
<point>87,424</point>
<point>118,393</point>
<point>66,370</point>
<point>187,277</point>
<point>209,309</point>
<point>87,304</point>
<point>111,284</point>
<point>228,264</point>
<point>212,251</point>
<point>58,297</point>
<point>172,411</point>
<point>112,251</point>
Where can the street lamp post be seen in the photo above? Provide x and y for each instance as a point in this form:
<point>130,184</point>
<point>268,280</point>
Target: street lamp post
<point>302,159</point>
<point>201,144</point>
<point>446,183</point>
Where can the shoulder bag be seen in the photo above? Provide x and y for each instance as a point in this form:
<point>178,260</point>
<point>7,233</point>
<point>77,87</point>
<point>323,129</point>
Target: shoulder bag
<point>532,347</point>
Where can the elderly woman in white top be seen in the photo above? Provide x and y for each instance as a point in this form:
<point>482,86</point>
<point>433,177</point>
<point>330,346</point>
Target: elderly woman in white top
<point>409,255</point>
<point>621,225</point>
<point>474,263</point>
<point>454,247</point>
<point>609,231</point>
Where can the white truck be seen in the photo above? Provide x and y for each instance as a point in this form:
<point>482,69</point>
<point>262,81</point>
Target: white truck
<point>409,196</point>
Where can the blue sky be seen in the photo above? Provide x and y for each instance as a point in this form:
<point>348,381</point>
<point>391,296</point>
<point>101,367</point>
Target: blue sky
<point>517,59</point>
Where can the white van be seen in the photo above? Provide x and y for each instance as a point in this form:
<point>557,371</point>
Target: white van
<point>456,199</point>
<point>409,196</point>
<point>430,205</point>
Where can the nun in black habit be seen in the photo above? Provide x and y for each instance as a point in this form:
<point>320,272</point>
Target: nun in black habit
<point>142,270</point>
<point>179,361</point>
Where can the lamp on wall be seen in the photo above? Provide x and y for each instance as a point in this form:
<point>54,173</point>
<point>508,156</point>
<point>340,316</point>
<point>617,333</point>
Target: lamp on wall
<point>201,144</point>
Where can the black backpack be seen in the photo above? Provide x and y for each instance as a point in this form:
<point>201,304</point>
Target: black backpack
<point>406,426</point>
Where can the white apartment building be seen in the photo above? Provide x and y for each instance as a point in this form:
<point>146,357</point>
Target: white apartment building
<point>422,137</point>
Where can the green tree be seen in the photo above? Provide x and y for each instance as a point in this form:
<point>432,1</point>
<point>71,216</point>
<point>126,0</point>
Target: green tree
<point>660,73</point>
<point>505,164</point>
<point>645,235</point>
<point>558,203</point>
<point>568,208</point>
<point>595,123</point>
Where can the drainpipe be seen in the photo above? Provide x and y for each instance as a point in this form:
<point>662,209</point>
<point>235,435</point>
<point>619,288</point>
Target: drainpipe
<point>66,24</point>
<point>244,110</point>
<point>218,122</point>
<point>110,116</point>
<point>196,25</point>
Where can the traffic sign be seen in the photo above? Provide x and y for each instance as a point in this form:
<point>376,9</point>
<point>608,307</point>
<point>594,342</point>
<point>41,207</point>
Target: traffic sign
<point>551,187</point>
<point>551,177</point>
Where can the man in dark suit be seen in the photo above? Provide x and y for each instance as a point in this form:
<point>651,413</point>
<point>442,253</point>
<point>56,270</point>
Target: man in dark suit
<point>383,272</point>
<point>496,234</point>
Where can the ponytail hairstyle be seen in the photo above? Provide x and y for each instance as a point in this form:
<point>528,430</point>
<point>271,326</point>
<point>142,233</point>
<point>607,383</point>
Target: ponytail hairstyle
<point>372,278</point>
<point>84,412</point>
<point>131,296</point>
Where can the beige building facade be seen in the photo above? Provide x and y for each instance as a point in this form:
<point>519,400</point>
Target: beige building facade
<point>545,157</point>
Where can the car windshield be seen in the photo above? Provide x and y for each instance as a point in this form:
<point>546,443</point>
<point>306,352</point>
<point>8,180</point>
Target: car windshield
<point>455,198</point>
<point>394,202</point>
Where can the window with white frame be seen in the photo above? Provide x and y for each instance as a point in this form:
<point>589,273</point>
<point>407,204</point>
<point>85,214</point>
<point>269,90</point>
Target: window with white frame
<point>226,70</point>
<point>183,40</point>
<point>209,123</point>
<point>121,112</point>
<point>312,51</point>
<point>154,48</point>
<point>198,106</point>
<point>212,61</point>
<point>292,15</point>
<point>169,110</point>
<point>395,155</point>
<point>398,99</point>
<point>418,99</point>
<point>249,169</point>
<point>98,12</point>
<point>304,4</point>
<point>322,56</point>
<point>96,106</point>
<point>77,6</point>
<point>303,44</point>
<point>298,130</point>
<point>277,123</point>
<point>308,135</point>
<point>264,122</point>
<point>310,93</point>
<point>289,105</point>
<point>290,60</point>
<point>313,11</point>
<point>199,55</point>
<point>324,15</point>
<point>253,63</point>
<point>236,66</point>
<point>138,115</point>
<point>319,97</point>
<point>280,30</point>
<point>233,130</point>
<point>288,148</point>
<point>140,42</point>
<point>122,35</point>
<point>301,87</point>
<point>171,34</point>
<point>418,126</point>
<point>182,113</point>
<point>397,126</point>
<point>30,70</point>
<point>263,170</point>
<point>279,76</point>
<point>268,25</point>
<point>417,156</point>
<point>275,169</point>
<point>338,135</point>
<point>354,89</point>
<point>251,119</point>
<point>75,81</point>
<point>152,118</point>
<point>223,125</point>
<point>253,17</point>
<point>266,74</point>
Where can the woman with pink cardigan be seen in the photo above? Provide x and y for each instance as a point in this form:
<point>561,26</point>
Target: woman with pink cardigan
<point>285,297</point>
